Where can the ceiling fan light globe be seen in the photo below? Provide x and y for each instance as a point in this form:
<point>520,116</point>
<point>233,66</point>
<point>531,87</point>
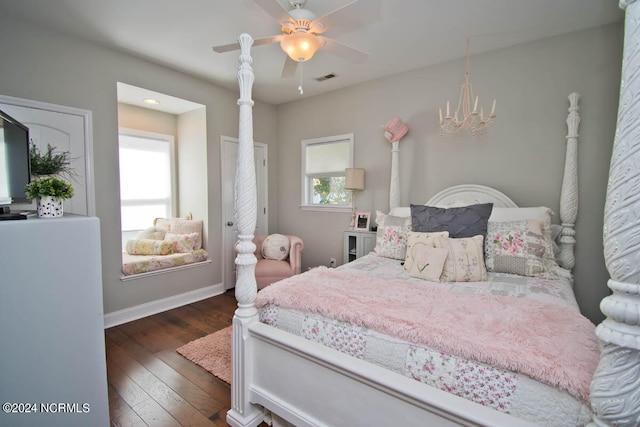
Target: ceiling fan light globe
<point>300,46</point>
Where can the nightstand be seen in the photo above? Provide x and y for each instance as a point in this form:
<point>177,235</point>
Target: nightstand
<point>357,244</point>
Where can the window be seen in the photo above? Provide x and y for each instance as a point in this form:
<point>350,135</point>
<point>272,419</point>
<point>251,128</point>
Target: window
<point>324,161</point>
<point>147,180</point>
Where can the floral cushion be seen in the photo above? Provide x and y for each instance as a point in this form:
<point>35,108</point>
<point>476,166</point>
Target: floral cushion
<point>465,261</point>
<point>182,226</point>
<point>541,214</point>
<point>516,247</point>
<point>391,237</point>
<point>145,264</point>
<point>149,247</point>
<point>182,243</point>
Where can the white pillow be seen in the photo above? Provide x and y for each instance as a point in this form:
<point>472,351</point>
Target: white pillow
<point>540,213</point>
<point>426,262</point>
<point>465,261</point>
<point>423,259</point>
<point>153,233</point>
<point>275,246</point>
<point>401,211</point>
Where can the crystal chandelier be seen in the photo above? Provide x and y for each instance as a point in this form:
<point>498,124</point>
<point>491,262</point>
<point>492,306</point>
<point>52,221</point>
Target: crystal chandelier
<point>466,117</point>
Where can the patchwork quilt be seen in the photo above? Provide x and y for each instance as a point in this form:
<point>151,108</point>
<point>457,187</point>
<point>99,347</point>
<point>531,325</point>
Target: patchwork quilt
<point>501,386</point>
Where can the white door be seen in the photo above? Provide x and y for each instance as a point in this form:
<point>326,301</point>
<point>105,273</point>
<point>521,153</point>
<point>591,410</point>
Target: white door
<point>65,129</point>
<point>229,159</point>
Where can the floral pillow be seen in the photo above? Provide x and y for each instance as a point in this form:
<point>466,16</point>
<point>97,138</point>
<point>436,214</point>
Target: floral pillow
<point>149,247</point>
<point>182,243</point>
<point>391,237</point>
<point>182,226</point>
<point>516,247</point>
<point>541,214</point>
<point>465,259</point>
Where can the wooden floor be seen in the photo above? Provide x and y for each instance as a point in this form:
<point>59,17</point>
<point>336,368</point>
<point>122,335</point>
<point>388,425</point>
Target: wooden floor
<point>150,384</point>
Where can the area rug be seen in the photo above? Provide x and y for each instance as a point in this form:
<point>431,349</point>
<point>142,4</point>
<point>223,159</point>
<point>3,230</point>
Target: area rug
<point>212,352</point>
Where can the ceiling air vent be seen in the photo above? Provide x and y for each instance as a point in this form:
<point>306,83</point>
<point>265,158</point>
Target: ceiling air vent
<point>326,77</point>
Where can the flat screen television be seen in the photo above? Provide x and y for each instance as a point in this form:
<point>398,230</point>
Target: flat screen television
<point>15,164</point>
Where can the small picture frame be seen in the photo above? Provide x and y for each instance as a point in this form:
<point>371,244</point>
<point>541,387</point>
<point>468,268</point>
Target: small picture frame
<point>362,221</point>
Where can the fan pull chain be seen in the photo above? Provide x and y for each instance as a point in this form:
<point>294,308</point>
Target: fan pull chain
<point>300,86</point>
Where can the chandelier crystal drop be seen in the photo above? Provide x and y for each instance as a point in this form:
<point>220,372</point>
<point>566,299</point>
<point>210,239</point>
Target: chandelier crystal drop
<point>466,116</point>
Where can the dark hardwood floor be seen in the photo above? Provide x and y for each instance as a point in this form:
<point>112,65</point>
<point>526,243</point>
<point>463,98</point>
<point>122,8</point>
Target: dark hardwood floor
<point>150,384</point>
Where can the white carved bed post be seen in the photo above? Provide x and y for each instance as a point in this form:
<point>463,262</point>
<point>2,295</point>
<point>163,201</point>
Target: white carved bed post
<point>393,131</point>
<point>615,390</point>
<point>394,186</point>
<point>569,194</point>
<point>242,412</point>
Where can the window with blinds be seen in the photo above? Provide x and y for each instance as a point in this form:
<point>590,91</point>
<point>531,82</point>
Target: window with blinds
<point>147,179</point>
<point>324,161</point>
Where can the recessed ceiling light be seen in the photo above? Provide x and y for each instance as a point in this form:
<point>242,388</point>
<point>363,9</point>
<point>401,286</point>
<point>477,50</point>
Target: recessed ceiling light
<point>151,101</point>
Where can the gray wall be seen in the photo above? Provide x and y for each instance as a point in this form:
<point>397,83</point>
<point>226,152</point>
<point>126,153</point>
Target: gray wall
<point>54,68</point>
<point>522,155</point>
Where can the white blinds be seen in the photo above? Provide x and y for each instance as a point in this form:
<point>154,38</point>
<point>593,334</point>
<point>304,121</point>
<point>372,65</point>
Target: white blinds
<point>328,158</point>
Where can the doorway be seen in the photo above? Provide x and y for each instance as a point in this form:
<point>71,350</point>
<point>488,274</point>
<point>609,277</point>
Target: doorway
<point>228,162</point>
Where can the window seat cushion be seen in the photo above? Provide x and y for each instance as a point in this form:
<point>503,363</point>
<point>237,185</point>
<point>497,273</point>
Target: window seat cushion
<point>136,264</point>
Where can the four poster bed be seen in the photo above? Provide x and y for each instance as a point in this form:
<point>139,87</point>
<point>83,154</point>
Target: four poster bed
<point>297,360</point>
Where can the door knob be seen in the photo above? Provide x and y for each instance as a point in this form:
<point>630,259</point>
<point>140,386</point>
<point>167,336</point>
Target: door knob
<point>229,223</point>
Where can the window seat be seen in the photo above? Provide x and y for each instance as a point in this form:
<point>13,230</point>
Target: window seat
<point>170,244</point>
<point>136,264</point>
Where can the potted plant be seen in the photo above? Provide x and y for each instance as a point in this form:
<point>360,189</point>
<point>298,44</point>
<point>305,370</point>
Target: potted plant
<point>49,163</point>
<point>50,192</point>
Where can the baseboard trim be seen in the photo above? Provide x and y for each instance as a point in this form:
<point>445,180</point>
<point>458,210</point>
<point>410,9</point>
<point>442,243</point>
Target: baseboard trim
<point>147,309</point>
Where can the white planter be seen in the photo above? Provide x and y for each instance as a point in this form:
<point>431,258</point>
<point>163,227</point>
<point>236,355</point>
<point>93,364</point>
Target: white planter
<point>48,207</point>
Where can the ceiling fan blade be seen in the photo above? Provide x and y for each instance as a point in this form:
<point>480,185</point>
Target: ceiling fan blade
<point>275,9</point>
<point>258,42</point>
<point>290,67</point>
<point>343,51</point>
<point>226,47</point>
<point>351,16</point>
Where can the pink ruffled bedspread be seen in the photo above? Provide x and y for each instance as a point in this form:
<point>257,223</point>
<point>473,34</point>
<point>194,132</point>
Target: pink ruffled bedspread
<point>550,343</point>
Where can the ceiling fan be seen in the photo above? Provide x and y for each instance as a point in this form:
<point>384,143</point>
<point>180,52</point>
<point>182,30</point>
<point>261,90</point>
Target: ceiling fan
<point>300,31</point>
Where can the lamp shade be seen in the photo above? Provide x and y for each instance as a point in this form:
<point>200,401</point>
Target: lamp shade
<point>354,179</point>
<point>300,46</point>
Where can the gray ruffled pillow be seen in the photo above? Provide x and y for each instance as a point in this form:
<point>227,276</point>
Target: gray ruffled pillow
<point>463,221</point>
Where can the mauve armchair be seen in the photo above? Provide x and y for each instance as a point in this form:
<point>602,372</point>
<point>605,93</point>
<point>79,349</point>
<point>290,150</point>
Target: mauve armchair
<point>269,271</point>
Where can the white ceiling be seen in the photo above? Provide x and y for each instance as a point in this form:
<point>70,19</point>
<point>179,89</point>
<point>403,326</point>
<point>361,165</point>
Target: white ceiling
<point>409,34</point>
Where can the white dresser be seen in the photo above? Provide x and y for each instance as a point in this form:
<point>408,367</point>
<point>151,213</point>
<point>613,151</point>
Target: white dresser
<point>52,350</point>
